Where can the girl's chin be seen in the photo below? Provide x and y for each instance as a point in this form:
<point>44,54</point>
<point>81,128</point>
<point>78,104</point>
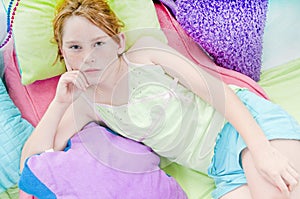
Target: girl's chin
<point>93,82</point>
<point>93,78</point>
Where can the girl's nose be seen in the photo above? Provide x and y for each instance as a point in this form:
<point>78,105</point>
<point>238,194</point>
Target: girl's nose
<point>89,57</point>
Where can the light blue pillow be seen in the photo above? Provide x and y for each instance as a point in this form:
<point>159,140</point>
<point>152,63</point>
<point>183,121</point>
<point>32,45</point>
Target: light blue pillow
<point>14,130</point>
<point>281,41</point>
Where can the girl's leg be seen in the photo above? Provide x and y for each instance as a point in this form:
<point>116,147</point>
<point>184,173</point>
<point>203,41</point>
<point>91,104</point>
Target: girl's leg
<point>241,192</point>
<point>258,186</point>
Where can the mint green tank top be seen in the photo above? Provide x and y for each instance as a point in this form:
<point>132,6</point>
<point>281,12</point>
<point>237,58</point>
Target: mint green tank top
<point>166,116</point>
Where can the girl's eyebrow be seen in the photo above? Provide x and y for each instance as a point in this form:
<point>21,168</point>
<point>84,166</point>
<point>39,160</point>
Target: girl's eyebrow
<point>71,42</point>
<point>99,38</point>
<point>92,40</point>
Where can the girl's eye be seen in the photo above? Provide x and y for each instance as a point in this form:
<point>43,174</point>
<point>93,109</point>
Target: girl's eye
<point>99,43</point>
<point>75,47</point>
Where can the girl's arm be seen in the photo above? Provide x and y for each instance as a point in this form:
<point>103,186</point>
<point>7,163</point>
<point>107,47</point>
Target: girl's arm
<point>209,88</point>
<point>225,101</point>
<point>69,88</point>
<point>42,137</point>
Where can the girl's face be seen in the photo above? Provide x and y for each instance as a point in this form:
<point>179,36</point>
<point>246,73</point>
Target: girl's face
<point>85,47</point>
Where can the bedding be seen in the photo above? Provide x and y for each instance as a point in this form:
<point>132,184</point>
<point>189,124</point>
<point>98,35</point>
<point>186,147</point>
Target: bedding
<point>122,166</point>
<point>14,130</point>
<point>33,99</point>
<point>45,89</point>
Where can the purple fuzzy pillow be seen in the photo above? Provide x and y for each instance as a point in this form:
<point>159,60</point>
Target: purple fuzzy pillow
<point>230,31</point>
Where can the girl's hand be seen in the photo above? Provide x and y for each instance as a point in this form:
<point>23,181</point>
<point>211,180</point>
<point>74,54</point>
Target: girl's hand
<point>276,168</point>
<point>70,85</point>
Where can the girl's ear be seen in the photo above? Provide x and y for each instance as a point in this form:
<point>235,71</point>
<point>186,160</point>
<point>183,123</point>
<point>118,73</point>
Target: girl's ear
<point>122,44</point>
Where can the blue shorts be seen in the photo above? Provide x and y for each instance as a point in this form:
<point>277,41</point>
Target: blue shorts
<point>226,168</point>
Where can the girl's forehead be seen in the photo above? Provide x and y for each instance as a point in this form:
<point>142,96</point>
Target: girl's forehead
<point>80,27</point>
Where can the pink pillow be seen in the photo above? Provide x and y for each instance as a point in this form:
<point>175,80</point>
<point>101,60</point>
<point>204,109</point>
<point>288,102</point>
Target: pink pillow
<point>32,100</point>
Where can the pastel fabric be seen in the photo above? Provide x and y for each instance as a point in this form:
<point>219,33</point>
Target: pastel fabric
<point>230,31</point>
<point>33,33</point>
<point>14,130</point>
<point>98,163</point>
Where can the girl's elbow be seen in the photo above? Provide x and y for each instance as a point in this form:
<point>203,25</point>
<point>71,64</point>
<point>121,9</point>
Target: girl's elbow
<point>59,144</point>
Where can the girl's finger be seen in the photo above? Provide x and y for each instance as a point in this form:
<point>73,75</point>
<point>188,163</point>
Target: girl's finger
<point>83,80</point>
<point>77,79</point>
<point>290,181</point>
<point>282,186</point>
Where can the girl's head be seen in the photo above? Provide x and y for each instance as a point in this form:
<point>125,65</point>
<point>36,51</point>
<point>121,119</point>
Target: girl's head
<point>97,12</point>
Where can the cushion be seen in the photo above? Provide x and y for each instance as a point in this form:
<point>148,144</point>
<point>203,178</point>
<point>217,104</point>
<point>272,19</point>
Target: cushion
<point>145,24</point>
<point>14,130</point>
<point>11,193</point>
<point>33,99</point>
<point>110,166</point>
<point>33,33</point>
<point>281,37</point>
<point>179,40</point>
<point>230,31</point>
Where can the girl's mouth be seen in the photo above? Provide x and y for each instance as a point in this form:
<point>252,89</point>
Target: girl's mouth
<point>91,70</point>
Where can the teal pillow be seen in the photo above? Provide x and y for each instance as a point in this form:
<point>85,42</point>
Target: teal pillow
<point>14,130</point>
<point>33,33</point>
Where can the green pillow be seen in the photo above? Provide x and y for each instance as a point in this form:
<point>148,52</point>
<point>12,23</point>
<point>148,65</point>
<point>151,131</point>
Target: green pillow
<point>33,33</point>
<point>139,17</point>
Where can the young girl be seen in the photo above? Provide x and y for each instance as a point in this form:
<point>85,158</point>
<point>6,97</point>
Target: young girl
<point>154,95</point>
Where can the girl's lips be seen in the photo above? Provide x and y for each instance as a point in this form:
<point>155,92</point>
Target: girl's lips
<point>91,70</point>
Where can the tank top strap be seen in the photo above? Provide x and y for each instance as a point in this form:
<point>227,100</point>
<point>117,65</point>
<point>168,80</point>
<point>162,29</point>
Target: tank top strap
<point>174,84</point>
<point>126,59</point>
<point>129,63</point>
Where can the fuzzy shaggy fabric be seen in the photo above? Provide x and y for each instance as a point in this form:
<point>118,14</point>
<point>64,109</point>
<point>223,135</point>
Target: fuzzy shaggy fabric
<point>230,31</point>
